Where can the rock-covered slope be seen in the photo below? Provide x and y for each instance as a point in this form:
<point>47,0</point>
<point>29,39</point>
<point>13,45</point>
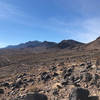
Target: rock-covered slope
<point>55,81</point>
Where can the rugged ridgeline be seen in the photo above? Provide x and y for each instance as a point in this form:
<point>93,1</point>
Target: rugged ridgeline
<point>65,44</point>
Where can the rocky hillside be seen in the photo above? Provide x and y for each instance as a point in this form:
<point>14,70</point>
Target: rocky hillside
<point>54,81</point>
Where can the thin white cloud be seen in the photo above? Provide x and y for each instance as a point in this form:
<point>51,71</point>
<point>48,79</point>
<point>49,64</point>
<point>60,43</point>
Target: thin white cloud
<point>86,26</point>
<point>2,45</point>
<point>9,11</point>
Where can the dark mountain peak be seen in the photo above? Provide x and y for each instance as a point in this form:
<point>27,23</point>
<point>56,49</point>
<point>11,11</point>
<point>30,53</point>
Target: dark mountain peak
<point>45,41</point>
<point>33,44</point>
<point>68,41</point>
<point>25,45</point>
<point>48,44</point>
<point>69,44</point>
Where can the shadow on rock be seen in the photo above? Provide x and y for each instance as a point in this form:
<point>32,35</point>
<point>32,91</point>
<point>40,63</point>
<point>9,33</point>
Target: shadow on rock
<point>81,94</point>
<point>93,98</point>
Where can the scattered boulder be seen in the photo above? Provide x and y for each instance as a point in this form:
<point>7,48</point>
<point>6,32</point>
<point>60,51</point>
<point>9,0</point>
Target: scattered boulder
<point>55,74</point>
<point>64,82</point>
<point>89,65</point>
<point>45,76</point>
<point>5,84</point>
<point>30,80</point>
<point>82,64</point>
<point>18,83</point>
<point>32,96</point>
<point>67,72</point>
<point>55,92</point>
<point>53,68</point>
<point>1,91</point>
<point>87,77</point>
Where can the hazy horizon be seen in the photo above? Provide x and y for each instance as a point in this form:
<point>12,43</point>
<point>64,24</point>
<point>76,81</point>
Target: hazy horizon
<point>48,20</point>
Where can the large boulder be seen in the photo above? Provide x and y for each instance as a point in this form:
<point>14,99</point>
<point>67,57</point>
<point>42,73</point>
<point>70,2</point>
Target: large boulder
<point>79,94</point>
<point>35,96</point>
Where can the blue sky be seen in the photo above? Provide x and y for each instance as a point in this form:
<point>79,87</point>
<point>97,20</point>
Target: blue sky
<point>52,20</point>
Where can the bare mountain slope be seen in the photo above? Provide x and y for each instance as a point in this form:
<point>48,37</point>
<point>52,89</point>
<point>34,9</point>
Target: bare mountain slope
<point>94,45</point>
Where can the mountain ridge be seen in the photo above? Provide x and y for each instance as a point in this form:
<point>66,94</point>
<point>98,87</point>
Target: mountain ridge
<point>64,44</point>
<point>33,44</point>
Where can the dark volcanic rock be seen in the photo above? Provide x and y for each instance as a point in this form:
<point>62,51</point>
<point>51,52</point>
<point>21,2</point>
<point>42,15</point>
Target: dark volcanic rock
<point>67,72</point>
<point>79,94</point>
<point>55,92</point>
<point>1,91</point>
<point>87,77</point>
<point>45,76</point>
<point>89,65</point>
<point>55,74</point>
<point>33,96</point>
<point>17,84</point>
<point>36,96</point>
<point>5,84</point>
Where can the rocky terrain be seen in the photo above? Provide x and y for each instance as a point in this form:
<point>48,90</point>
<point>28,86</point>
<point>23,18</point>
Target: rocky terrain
<point>56,81</point>
<point>54,74</point>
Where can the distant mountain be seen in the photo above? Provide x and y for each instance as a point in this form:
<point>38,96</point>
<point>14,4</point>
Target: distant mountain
<point>48,44</point>
<point>32,44</point>
<point>24,45</point>
<point>64,44</point>
<point>69,44</point>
